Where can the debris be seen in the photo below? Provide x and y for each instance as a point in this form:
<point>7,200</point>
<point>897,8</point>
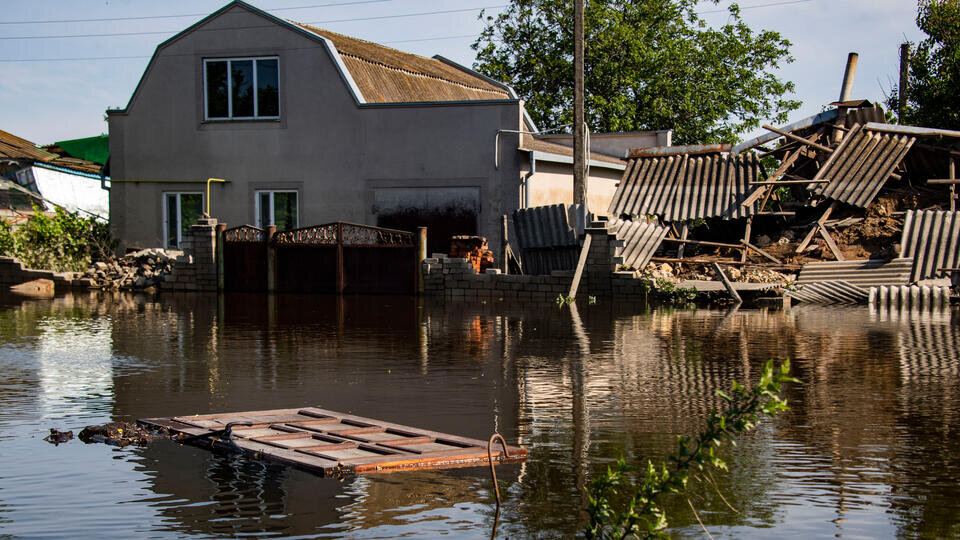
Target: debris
<point>58,437</point>
<point>474,249</point>
<point>120,434</point>
<point>332,443</point>
<point>140,270</point>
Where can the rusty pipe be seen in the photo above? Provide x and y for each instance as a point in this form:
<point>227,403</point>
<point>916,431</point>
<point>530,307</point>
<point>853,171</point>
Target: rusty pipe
<point>493,472</point>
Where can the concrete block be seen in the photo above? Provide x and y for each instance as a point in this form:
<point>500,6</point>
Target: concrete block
<point>493,271</point>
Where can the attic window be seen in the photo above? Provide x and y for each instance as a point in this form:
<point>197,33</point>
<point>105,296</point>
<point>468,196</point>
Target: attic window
<point>242,88</point>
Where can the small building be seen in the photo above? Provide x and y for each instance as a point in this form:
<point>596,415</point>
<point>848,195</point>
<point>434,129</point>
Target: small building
<point>52,176</point>
<point>310,126</point>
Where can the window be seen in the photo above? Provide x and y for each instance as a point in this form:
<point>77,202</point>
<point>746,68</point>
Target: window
<point>180,211</point>
<point>241,88</point>
<point>276,208</point>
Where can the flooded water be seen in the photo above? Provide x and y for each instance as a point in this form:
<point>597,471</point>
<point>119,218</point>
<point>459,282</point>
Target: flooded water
<point>869,449</point>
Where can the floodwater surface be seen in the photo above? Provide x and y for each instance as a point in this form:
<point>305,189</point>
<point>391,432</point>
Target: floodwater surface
<point>869,448</point>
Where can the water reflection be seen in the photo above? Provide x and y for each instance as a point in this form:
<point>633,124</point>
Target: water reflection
<point>867,448</point>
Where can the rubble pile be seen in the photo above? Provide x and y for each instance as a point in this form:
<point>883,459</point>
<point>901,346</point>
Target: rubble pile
<point>474,249</point>
<point>136,271</point>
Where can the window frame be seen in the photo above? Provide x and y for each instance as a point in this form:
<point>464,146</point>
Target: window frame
<point>166,216</point>
<point>256,105</point>
<point>256,206</point>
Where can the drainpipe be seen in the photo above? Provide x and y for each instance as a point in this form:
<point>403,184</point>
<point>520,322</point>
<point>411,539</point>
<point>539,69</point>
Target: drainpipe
<point>526,181</point>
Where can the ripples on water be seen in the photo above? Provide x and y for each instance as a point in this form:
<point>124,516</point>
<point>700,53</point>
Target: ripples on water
<point>869,448</point>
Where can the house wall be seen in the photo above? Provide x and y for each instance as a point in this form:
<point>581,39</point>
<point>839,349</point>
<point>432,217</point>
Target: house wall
<point>552,183</point>
<point>339,155</point>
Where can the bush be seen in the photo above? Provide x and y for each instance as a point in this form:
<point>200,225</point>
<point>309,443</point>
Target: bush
<point>65,242</point>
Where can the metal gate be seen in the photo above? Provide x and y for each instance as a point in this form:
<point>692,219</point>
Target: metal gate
<point>245,259</point>
<point>344,258</point>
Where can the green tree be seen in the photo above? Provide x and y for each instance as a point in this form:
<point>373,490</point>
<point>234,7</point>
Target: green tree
<point>932,96</point>
<point>649,64</point>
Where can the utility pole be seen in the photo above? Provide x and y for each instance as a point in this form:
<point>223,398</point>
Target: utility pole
<point>904,81</point>
<point>579,148</point>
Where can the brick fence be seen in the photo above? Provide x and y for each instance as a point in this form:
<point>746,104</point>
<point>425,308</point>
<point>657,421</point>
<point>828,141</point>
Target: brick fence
<point>197,270</point>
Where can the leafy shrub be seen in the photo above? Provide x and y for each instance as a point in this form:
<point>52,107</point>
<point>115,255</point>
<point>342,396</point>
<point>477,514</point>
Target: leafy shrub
<point>65,242</point>
<point>642,516</point>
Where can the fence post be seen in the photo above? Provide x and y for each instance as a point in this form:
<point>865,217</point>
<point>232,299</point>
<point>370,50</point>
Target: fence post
<point>421,255</point>
<point>271,259</point>
<point>504,240</point>
<point>340,276</point>
<point>221,238</point>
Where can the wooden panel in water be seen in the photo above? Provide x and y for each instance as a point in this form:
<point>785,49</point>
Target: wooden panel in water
<point>333,443</point>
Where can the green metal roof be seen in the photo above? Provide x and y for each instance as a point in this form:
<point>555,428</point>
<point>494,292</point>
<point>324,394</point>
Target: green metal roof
<point>95,149</point>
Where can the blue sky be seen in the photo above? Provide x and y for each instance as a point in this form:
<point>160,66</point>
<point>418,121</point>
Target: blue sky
<point>63,88</point>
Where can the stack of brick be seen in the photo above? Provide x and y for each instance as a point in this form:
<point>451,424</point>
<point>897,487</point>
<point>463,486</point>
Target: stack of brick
<point>474,249</point>
<point>455,278</point>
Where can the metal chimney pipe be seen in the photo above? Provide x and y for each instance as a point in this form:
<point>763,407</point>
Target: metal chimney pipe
<point>848,74</point>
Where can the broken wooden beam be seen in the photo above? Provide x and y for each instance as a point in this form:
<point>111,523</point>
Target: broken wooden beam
<point>703,243</point>
<point>825,234</point>
<point>752,247</point>
<point>788,182</point>
<point>799,139</point>
<point>726,284</point>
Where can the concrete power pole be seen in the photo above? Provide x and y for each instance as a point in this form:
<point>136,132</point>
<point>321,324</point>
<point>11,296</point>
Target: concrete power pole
<point>579,148</point>
<point>904,81</point>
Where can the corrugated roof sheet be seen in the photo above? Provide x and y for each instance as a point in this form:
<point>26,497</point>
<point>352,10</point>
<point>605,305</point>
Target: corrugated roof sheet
<point>13,147</point>
<point>863,273</point>
<point>910,296</point>
<point>544,227</point>
<point>386,75</point>
<point>640,241</point>
<point>687,187</point>
<point>933,240</point>
<point>829,292</point>
<point>858,168</point>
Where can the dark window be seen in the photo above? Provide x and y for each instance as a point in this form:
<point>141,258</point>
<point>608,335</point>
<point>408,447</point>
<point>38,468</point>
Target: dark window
<point>242,88</point>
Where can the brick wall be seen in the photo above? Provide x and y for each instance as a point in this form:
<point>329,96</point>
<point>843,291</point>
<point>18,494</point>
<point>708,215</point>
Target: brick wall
<point>197,269</point>
<point>12,272</point>
<point>456,278</point>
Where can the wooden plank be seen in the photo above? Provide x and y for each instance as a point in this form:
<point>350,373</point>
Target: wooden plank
<point>703,243</point>
<point>830,243</point>
<point>581,264</point>
<point>762,252</point>
<point>683,237</point>
<point>799,139</point>
<point>696,261</point>
<point>788,182</point>
<point>806,239</point>
<point>726,283</point>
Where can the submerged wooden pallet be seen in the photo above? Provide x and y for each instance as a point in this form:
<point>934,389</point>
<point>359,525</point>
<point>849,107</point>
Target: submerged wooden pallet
<point>334,443</point>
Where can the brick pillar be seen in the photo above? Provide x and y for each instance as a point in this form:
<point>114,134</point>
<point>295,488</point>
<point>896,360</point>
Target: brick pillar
<point>202,245</point>
<point>602,260</point>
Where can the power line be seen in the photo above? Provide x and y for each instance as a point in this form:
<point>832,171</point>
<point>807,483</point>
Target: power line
<point>772,4</point>
<point>76,59</point>
<point>119,34</point>
<point>150,17</point>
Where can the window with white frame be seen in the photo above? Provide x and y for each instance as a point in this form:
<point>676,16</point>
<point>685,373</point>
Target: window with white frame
<point>276,208</point>
<point>241,88</point>
<point>180,211</point>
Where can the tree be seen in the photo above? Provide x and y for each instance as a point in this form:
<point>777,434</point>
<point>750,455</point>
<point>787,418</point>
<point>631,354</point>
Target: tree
<point>932,96</point>
<point>650,64</point>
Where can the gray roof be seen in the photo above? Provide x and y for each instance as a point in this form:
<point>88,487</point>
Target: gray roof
<point>858,168</point>
<point>676,188</point>
<point>933,240</point>
<point>640,240</point>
